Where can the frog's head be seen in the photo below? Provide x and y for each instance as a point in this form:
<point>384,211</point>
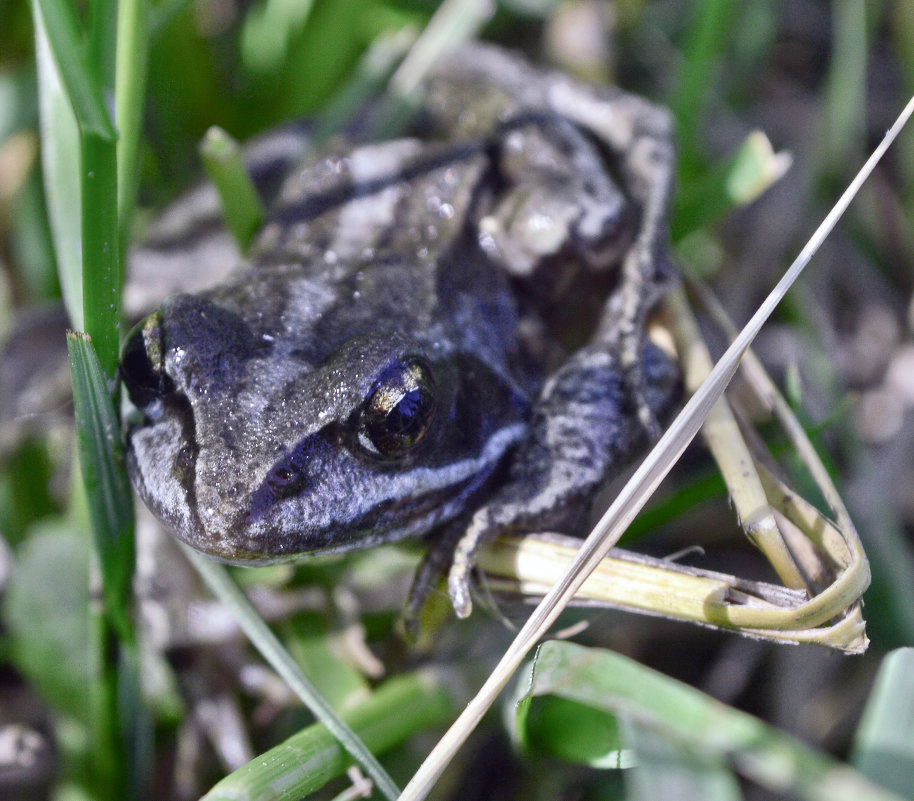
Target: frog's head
<point>250,453</point>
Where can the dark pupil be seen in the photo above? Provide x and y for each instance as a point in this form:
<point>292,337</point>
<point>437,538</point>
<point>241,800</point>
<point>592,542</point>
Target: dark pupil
<point>400,411</point>
<point>406,420</point>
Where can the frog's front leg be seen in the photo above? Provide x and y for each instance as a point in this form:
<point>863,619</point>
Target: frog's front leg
<point>584,429</point>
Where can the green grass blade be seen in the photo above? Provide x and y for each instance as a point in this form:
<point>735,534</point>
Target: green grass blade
<point>268,31</point>
<point>624,689</point>
<point>130,75</point>
<point>77,70</point>
<point>310,642</point>
<point>453,23</point>
<point>98,165</point>
<point>263,639</point>
<point>371,72</point>
<point>101,247</point>
<point>80,71</point>
<point>101,41</point>
<point>65,37</point>
<point>571,731</point>
<point>669,769</point>
<point>309,759</point>
<point>46,629</point>
<point>119,727</point>
<point>734,182</point>
<point>846,87</point>
<point>711,31</point>
<point>241,207</point>
<point>59,152</point>
<point>884,744</point>
<point>110,497</point>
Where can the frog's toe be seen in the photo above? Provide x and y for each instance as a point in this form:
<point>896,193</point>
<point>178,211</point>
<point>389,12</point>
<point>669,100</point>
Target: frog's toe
<point>458,587</point>
<point>484,526</point>
<point>657,389</point>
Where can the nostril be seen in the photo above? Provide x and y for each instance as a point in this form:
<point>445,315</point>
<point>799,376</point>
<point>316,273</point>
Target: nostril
<point>284,480</point>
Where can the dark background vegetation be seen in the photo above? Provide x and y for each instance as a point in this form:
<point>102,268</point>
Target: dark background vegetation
<point>822,80</point>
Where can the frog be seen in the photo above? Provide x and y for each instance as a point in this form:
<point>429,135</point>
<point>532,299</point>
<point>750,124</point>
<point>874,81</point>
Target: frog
<point>385,362</point>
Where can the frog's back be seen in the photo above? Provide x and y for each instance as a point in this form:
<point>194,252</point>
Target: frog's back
<point>377,240</point>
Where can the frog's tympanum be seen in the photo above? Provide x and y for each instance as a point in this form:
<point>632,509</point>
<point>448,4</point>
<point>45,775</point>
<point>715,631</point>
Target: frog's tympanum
<point>389,361</point>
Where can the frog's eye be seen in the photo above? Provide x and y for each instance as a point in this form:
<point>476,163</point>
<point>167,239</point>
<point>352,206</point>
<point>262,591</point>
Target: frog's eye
<point>141,363</point>
<point>400,410</point>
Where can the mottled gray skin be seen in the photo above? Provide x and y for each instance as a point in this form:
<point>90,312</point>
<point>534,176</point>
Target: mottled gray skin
<point>430,259</point>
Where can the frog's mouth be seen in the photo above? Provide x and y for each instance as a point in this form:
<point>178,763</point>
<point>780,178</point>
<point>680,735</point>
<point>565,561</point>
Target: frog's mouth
<point>380,526</point>
<point>389,521</point>
<point>345,505</point>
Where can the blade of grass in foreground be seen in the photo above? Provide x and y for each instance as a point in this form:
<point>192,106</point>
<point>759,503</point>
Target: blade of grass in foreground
<point>621,688</point>
<point>101,247</point>
<point>99,242</point>
<point>77,71</point>
<point>118,724</point>
<point>63,30</point>
<point>101,455</point>
<point>309,759</point>
<point>263,639</point>
<point>666,768</point>
<point>59,152</point>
